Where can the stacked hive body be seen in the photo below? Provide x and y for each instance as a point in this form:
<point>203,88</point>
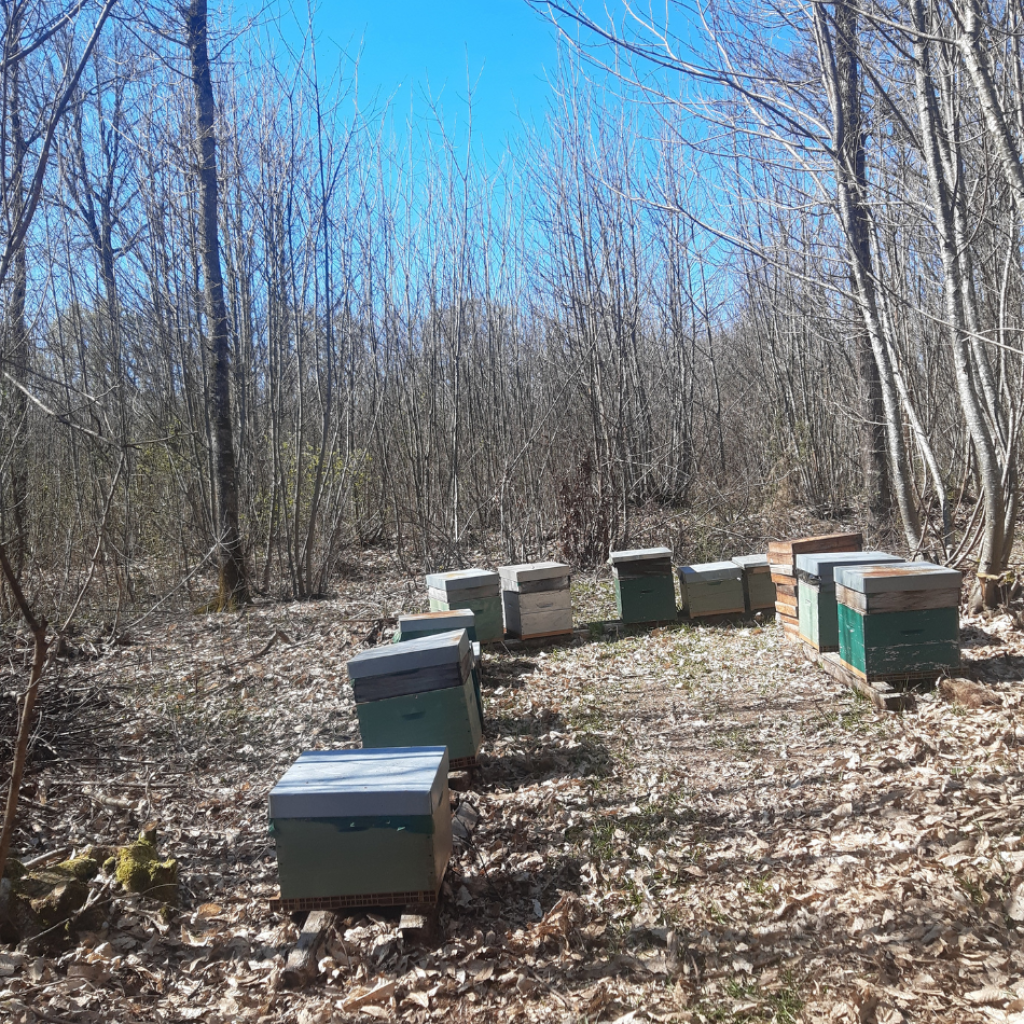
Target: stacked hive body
<point>758,588</point>
<point>475,589</point>
<point>536,599</point>
<point>418,693</point>
<point>362,827</point>
<point>415,627</point>
<point>782,561</point>
<point>644,587</point>
<point>713,588</point>
<point>819,620</point>
<point>898,620</point>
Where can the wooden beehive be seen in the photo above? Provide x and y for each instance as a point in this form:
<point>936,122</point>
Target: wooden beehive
<point>418,693</point>
<point>369,825</point>
<point>758,588</point>
<point>536,599</point>
<point>782,562</point>
<point>816,586</point>
<point>711,588</point>
<point>644,587</point>
<point>415,627</point>
<point>479,590</point>
<point>898,620</point>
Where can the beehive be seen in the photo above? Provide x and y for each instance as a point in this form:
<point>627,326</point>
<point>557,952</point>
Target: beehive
<point>758,589</point>
<point>418,693</point>
<point>644,587</point>
<point>366,825</point>
<point>816,586</point>
<point>414,627</point>
<point>782,562</point>
<point>479,590</point>
<point>712,588</point>
<point>536,599</point>
<point>898,619</point>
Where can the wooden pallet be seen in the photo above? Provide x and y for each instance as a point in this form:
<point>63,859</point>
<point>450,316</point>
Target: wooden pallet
<point>568,634</point>
<point>886,695</point>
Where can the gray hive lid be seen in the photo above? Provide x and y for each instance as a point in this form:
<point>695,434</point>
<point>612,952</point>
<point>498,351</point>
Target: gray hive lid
<point>424,652</point>
<point>457,618</point>
<point>880,579</point>
<point>462,579</point>
<point>823,564</point>
<point>710,572</point>
<point>527,572</point>
<point>357,783</point>
<point>749,562</point>
<point>639,555</point>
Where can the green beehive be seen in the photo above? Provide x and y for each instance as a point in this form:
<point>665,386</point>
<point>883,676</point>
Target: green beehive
<point>898,619</point>
<point>414,627</point>
<point>362,827</point>
<point>644,587</point>
<point>712,588</point>
<point>418,693</point>
<point>758,588</point>
<point>536,599</point>
<point>816,594</point>
<point>478,590</point>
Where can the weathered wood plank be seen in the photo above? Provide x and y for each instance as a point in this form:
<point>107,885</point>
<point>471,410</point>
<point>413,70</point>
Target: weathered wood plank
<point>301,966</point>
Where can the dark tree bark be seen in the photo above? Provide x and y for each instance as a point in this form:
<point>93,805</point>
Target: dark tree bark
<point>851,156</point>
<point>234,580</point>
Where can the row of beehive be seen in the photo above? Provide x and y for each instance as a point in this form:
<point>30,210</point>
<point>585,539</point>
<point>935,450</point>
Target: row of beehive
<point>884,616</point>
<point>645,588</point>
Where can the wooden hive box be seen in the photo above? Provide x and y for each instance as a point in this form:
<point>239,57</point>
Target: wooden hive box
<point>479,590</point>
<point>758,588</point>
<point>782,563</point>
<point>362,827</point>
<point>536,599</point>
<point>418,693</point>
<point>816,585</point>
<point>644,587</point>
<point>712,588</point>
<point>898,620</point>
<point>414,627</point>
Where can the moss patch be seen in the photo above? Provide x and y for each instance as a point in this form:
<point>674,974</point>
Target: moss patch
<point>140,870</point>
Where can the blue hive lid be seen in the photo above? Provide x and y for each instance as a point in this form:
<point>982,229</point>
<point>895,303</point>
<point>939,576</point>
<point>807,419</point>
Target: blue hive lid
<point>639,555</point>
<point>462,579</point>
<point>746,562</point>
<point>527,572</point>
<point>457,618</point>
<point>360,783</point>
<point>710,572</point>
<point>424,652</point>
<point>824,563</point>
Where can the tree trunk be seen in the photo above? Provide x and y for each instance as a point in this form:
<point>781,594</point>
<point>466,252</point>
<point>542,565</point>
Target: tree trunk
<point>234,582</point>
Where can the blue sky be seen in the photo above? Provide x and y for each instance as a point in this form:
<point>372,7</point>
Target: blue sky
<point>414,48</point>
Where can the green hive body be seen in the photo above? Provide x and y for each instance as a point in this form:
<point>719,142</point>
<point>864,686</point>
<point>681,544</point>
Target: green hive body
<point>490,627</point>
<point>819,618</point>
<point>899,643</point>
<point>650,599</point>
<point>714,588</point>
<point>363,823</point>
<point>448,717</point>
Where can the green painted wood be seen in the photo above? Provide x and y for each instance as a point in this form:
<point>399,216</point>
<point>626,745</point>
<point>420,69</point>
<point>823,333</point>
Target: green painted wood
<point>760,591</point>
<point>398,638</point>
<point>897,642</point>
<point>449,717</point>
<point>807,613</point>
<point>490,626</point>
<point>713,597</point>
<point>321,857</point>
<point>646,599</point>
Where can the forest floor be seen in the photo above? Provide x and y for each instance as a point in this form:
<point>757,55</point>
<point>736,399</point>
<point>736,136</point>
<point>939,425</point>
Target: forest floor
<point>686,824</point>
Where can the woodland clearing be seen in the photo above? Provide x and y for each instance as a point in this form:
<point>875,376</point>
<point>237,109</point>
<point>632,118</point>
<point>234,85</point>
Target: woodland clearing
<point>690,823</point>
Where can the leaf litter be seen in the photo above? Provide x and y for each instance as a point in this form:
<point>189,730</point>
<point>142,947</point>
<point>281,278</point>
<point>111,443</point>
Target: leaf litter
<point>685,824</point>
